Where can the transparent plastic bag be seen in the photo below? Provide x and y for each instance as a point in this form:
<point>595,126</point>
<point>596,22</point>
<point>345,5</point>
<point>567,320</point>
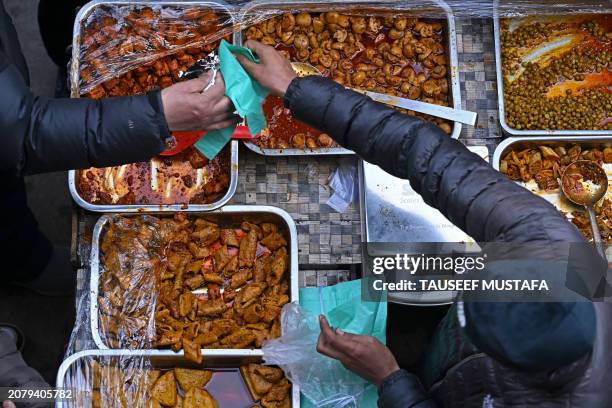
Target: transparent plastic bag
<point>323,380</point>
<point>148,292</point>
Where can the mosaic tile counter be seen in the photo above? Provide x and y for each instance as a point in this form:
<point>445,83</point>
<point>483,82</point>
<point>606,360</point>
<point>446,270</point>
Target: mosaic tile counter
<point>300,184</point>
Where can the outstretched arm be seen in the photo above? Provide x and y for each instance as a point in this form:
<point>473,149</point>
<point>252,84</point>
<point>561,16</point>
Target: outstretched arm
<point>475,197</point>
<point>39,134</point>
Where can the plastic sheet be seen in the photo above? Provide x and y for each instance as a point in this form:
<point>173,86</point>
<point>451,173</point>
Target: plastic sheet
<point>343,182</point>
<point>117,38</point>
<point>323,381</point>
<point>129,300</point>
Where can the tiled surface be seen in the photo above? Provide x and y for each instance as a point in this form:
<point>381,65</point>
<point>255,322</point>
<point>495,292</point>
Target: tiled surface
<point>299,185</point>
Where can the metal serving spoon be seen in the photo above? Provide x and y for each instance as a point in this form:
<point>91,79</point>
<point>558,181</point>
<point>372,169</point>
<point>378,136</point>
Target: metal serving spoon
<point>444,112</point>
<point>585,182</point>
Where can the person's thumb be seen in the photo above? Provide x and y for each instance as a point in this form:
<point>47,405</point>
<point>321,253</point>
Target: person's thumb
<point>8,404</point>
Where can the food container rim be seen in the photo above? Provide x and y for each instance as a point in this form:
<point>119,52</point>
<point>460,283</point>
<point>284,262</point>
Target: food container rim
<point>87,8</point>
<point>575,138</point>
<point>500,95</point>
<point>148,208</point>
<point>221,354</point>
<point>452,50</point>
<point>74,82</point>
<point>230,209</point>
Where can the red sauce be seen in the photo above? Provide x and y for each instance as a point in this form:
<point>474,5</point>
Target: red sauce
<point>283,126</point>
<point>281,122</point>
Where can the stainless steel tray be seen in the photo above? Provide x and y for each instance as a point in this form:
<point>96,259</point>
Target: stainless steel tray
<point>313,5</point>
<point>393,213</point>
<point>140,208</point>
<point>500,96</point>
<point>84,12</point>
<point>88,8</point>
<point>554,197</point>
<point>229,215</point>
<point>68,377</point>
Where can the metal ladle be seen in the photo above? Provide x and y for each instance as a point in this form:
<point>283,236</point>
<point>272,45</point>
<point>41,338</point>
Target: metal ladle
<point>584,183</point>
<point>444,112</point>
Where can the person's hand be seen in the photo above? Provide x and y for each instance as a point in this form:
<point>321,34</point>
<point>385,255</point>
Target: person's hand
<point>8,404</point>
<point>364,355</point>
<point>273,72</point>
<point>186,107</point>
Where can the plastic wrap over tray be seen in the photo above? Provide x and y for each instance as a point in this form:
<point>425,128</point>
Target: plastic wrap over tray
<point>127,378</point>
<point>146,303</point>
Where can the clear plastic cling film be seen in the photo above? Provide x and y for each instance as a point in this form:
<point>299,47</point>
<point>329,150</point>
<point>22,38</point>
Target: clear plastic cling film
<point>132,48</point>
<point>129,268</point>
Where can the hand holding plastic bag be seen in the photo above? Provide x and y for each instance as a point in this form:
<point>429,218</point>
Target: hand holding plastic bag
<point>324,382</point>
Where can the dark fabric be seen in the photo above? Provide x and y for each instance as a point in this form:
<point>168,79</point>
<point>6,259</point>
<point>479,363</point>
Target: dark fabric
<point>56,21</point>
<point>24,249</point>
<point>476,198</point>
<point>568,330</point>
<point>39,134</point>
<point>9,45</point>
<point>13,370</point>
<point>402,389</point>
<point>448,347</point>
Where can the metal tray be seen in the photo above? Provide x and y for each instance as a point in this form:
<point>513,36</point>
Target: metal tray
<point>213,360</point>
<point>317,5</point>
<point>554,197</point>
<point>140,208</point>
<point>229,215</point>
<point>500,96</point>
<point>84,12</point>
<point>393,213</point>
<point>88,8</point>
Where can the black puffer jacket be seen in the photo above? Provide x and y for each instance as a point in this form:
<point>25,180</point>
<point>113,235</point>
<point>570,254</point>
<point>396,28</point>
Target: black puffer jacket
<point>39,134</point>
<point>487,206</point>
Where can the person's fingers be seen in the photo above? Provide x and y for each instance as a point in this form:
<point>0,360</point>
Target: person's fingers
<point>217,90</point>
<point>256,46</point>
<point>221,117</point>
<point>8,404</point>
<point>251,67</point>
<point>326,329</point>
<point>224,124</point>
<point>345,336</point>
<point>325,348</point>
<point>337,339</point>
<point>225,104</point>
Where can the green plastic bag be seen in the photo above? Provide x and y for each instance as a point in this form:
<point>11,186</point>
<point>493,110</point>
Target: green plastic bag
<point>246,94</point>
<point>324,382</point>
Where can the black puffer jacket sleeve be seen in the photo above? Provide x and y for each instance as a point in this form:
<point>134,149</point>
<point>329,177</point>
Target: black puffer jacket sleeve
<point>402,389</point>
<point>472,195</point>
<point>476,198</point>
<point>39,134</point>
